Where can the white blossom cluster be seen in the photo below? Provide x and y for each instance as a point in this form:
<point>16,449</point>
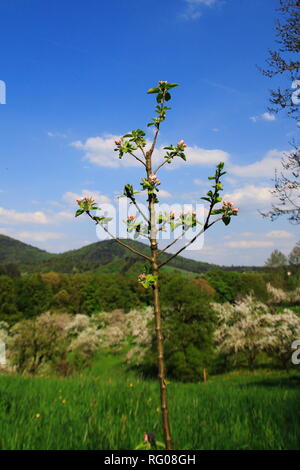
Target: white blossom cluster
<point>279,296</point>
<point>248,327</point>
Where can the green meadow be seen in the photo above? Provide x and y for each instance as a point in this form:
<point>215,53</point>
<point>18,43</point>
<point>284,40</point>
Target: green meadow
<point>110,408</point>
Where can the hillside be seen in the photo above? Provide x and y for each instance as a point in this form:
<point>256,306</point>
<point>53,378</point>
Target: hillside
<point>103,256</point>
<point>15,252</point>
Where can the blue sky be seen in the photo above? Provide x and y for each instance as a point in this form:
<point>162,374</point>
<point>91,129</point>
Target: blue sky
<point>77,73</point>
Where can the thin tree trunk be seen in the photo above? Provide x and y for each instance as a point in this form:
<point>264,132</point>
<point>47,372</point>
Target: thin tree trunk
<point>160,356</point>
<point>157,313</point>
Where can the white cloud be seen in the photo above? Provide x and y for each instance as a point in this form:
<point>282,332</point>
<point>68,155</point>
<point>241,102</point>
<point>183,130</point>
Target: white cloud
<point>264,117</point>
<point>39,236</point>
<point>279,234</point>
<point>57,134</point>
<point>198,156</point>
<point>268,117</point>
<point>230,180</point>
<point>249,244</point>
<point>100,151</point>
<point>193,8</point>
<point>250,195</point>
<point>13,217</point>
<point>201,2</point>
<point>71,197</point>
<point>164,194</point>
<point>260,169</point>
<point>30,236</point>
<point>10,216</point>
<point>65,215</point>
<point>200,182</point>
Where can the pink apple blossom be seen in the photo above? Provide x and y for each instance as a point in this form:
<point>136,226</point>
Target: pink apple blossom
<point>181,143</point>
<point>85,199</point>
<point>119,142</point>
<point>154,179</point>
<point>227,203</point>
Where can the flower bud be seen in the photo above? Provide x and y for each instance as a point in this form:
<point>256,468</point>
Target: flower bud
<point>181,143</point>
<point>154,179</point>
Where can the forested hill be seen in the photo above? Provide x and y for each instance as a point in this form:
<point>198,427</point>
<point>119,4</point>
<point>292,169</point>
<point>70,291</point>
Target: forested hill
<point>15,252</point>
<point>105,256</point>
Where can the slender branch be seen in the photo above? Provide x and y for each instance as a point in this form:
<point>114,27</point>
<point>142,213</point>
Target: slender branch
<point>205,227</point>
<point>189,243</point>
<point>140,211</point>
<point>157,129</point>
<point>137,158</point>
<point>154,140</point>
<point>159,166</point>
<point>117,239</point>
<point>143,152</point>
<point>174,241</point>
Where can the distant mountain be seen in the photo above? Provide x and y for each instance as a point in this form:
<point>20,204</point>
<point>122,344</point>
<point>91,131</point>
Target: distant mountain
<point>15,252</point>
<point>103,256</point>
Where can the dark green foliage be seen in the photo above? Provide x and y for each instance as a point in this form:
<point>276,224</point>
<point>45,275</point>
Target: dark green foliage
<point>8,308</point>
<point>188,327</point>
<point>224,283</point>
<point>33,295</point>
<point>107,255</point>
<point>230,285</point>
<point>10,269</point>
<point>15,252</point>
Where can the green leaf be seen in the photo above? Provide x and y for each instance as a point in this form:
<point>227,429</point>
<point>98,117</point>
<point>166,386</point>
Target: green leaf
<point>79,212</point>
<point>172,85</point>
<point>217,211</point>
<point>153,90</point>
<point>159,97</point>
<point>205,198</point>
<point>167,96</point>
<point>170,147</point>
<point>226,219</point>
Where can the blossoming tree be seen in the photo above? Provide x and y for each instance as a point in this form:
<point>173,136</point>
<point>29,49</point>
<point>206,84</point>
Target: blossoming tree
<point>150,224</point>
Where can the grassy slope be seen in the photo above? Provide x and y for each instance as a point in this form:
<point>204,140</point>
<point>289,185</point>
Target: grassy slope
<point>107,408</point>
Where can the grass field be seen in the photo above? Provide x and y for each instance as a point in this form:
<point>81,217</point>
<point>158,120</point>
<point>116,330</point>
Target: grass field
<point>107,408</point>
